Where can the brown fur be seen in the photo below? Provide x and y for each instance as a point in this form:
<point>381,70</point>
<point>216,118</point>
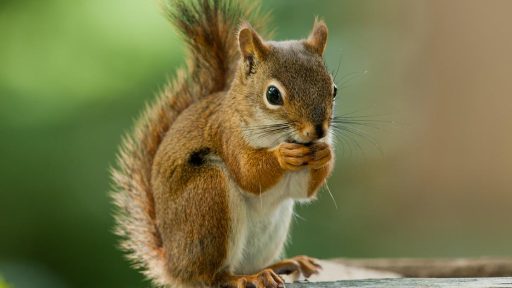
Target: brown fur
<point>172,180</point>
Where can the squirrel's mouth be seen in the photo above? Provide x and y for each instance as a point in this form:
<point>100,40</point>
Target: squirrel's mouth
<point>295,141</point>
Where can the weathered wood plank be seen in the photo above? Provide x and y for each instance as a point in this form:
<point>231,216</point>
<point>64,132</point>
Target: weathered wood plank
<point>461,267</point>
<point>332,271</point>
<point>498,282</point>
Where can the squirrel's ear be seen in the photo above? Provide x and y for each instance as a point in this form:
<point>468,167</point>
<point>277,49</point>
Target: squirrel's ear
<point>252,46</point>
<point>317,39</point>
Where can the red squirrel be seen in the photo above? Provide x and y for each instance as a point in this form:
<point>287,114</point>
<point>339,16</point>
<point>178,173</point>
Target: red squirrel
<point>206,182</point>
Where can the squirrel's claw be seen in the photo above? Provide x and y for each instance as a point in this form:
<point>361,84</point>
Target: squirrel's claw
<point>264,279</point>
<point>300,265</point>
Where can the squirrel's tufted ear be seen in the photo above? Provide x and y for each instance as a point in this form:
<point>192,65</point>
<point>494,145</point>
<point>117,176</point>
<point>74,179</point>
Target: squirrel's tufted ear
<point>252,46</point>
<point>317,39</point>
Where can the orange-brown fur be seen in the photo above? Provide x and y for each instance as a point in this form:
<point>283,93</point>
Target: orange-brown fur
<point>175,169</point>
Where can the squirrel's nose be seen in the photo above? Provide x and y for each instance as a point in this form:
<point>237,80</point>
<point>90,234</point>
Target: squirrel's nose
<point>313,132</point>
<point>320,132</point>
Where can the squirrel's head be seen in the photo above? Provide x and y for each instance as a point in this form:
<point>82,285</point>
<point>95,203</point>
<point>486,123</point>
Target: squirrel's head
<point>287,92</point>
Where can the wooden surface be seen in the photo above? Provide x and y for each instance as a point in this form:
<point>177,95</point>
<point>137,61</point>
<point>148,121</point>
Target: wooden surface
<point>464,272</point>
<point>411,282</point>
<point>333,271</point>
<point>453,268</point>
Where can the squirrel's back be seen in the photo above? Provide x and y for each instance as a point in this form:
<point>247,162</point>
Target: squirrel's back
<point>209,28</point>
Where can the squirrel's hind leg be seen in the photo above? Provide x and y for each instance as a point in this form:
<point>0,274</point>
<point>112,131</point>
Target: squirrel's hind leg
<point>191,208</point>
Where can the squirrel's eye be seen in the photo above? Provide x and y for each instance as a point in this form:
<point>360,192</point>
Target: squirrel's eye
<point>335,91</point>
<point>274,96</point>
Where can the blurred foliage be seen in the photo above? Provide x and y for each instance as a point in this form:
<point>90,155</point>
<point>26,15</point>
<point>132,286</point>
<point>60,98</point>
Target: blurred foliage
<point>3,284</point>
<point>73,77</point>
<point>71,81</point>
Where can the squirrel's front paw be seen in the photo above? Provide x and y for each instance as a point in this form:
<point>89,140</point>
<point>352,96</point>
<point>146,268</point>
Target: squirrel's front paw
<point>292,156</point>
<point>320,156</point>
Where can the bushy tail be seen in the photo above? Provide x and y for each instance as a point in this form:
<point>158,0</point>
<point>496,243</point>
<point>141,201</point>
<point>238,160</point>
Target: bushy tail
<point>209,28</point>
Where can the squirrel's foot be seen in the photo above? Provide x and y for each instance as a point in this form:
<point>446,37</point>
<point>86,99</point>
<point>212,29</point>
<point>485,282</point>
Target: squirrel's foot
<point>264,279</point>
<point>301,265</point>
<point>321,155</point>
<point>292,156</point>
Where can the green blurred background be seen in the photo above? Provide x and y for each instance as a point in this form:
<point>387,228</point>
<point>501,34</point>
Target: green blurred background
<point>75,74</point>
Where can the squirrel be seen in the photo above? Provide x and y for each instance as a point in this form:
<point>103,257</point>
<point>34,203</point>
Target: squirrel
<point>206,183</point>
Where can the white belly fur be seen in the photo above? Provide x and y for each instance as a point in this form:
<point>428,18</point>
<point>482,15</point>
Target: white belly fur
<point>260,224</point>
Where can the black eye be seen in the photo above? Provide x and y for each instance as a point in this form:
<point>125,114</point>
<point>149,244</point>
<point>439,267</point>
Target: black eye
<point>274,96</point>
<point>335,91</point>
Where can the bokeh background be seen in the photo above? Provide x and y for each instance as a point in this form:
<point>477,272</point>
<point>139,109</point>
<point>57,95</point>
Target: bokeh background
<point>431,177</point>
